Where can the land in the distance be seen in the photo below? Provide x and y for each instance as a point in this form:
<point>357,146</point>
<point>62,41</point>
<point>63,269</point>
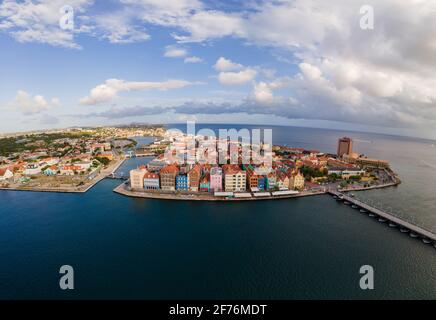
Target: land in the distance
<point>66,160</point>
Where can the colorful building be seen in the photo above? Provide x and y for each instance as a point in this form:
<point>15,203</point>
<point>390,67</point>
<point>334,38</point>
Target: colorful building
<point>151,181</point>
<point>205,182</point>
<point>182,182</point>
<point>194,176</point>
<point>271,181</point>
<point>137,178</point>
<point>168,177</point>
<point>216,179</point>
<point>296,180</point>
<point>252,178</point>
<point>261,182</point>
<point>235,178</point>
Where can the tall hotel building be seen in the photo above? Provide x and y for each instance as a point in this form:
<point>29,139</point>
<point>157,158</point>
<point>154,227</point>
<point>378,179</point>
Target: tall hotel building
<point>345,146</point>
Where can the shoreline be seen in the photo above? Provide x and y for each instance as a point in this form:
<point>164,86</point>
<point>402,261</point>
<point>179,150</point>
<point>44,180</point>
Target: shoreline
<point>121,189</point>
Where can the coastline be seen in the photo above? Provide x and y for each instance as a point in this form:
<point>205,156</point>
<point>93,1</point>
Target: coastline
<point>208,197</point>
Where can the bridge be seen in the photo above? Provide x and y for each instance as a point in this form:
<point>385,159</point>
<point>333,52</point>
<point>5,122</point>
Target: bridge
<point>424,233</point>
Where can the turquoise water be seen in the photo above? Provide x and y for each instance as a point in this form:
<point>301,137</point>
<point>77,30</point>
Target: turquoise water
<point>296,248</point>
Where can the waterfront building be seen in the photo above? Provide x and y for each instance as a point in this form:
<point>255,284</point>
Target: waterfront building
<point>32,169</point>
<point>234,178</point>
<point>182,182</point>
<point>216,179</point>
<point>252,178</point>
<point>137,178</point>
<point>205,182</point>
<point>261,182</point>
<point>271,181</point>
<point>345,146</point>
<point>6,173</point>
<point>168,177</point>
<point>51,171</point>
<point>282,180</point>
<point>69,170</point>
<point>151,181</point>
<point>194,176</point>
<point>296,180</point>
<point>372,162</point>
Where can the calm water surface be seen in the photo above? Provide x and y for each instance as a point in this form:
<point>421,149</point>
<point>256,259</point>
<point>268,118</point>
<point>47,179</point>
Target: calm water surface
<point>305,248</point>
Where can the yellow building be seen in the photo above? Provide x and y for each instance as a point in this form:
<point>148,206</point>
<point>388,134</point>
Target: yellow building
<point>234,178</point>
<point>296,181</point>
<point>137,178</point>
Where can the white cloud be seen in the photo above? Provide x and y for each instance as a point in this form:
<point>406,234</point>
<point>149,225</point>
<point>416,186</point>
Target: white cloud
<point>237,78</point>
<point>33,104</point>
<point>112,87</point>
<point>193,59</point>
<point>38,21</point>
<point>175,52</point>
<point>223,64</point>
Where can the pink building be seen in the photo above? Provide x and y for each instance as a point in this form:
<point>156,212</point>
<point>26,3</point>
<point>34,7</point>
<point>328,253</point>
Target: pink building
<point>216,179</point>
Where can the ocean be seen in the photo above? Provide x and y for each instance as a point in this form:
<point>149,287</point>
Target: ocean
<point>305,248</point>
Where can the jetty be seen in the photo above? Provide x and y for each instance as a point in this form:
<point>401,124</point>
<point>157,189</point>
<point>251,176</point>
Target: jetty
<point>409,227</point>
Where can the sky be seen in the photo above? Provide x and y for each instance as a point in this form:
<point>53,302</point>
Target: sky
<point>342,64</point>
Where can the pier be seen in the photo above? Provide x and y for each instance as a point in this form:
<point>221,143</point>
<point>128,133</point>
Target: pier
<point>420,231</point>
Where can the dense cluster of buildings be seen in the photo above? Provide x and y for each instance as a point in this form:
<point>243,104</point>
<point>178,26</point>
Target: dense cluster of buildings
<point>60,157</point>
<point>208,178</point>
<point>285,173</point>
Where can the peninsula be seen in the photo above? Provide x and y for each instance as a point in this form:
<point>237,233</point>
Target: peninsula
<point>190,170</point>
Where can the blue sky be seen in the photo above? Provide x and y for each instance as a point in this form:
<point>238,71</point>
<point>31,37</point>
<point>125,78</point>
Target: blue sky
<point>293,62</point>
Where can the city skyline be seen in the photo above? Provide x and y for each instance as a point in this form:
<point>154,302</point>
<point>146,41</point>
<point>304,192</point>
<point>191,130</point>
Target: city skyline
<point>273,63</point>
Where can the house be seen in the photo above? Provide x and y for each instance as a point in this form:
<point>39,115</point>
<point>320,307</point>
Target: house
<point>182,182</point>
<point>252,178</point>
<point>32,169</point>
<point>168,177</point>
<point>282,180</point>
<point>51,171</point>
<point>84,165</point>
<point>194,176</point>
<point>271,181</point>
<point>216,179</point>
<point>205,182</point>
<point>296,180</point>
<point>234,178</point>
<point>69,170</point>
<point>261,182</point>
<point>137,178</point>
<point>6,174</point>
<point>151,181</point>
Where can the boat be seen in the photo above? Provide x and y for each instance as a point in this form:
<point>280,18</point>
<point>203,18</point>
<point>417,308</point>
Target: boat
<point>354,206</point>
<point>346,203</point>
<point>382,220</point>
<point>404,230</point>
<point>352,195</point>
<point>426,241</point>
<point>392,225</point>
<point>362,210</point>
<point>413,235</point>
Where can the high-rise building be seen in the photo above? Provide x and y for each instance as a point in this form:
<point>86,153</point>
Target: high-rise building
<point>345,146</point>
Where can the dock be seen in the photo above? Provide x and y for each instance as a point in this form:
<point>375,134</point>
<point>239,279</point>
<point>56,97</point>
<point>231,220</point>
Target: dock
<point>419,230</point>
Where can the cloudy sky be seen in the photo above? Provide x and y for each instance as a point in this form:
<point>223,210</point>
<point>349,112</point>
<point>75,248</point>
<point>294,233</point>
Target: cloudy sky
<point>289,62</point>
